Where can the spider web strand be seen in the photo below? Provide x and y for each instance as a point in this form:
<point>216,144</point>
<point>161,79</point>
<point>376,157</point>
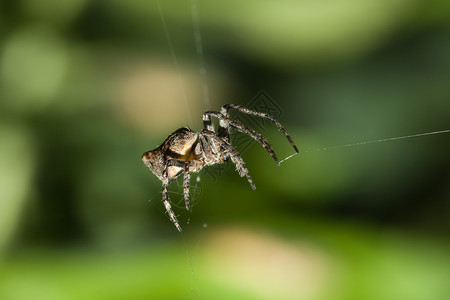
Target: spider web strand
<point>284,159</point>
<point>379,141</point>
<point>175,61</point>
<point>199,48</point>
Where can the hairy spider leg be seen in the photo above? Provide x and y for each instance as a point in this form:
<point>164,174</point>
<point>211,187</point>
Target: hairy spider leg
<point>235,158</point>
<point>187,177</point>
<point>224,128</point>
<point>207,124</point>
<point>242,128</point>
<point>226,107</point>
<point>168,207</point>
<point>241,167</point>
<point>185,165</point>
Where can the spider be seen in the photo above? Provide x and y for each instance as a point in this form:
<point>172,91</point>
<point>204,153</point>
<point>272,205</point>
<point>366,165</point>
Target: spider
<point>186,151</point>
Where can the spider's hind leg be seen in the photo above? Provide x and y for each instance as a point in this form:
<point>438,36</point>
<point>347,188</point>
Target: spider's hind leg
<point>169,210</point>
<point>187,177</point>
<point>184,165</point>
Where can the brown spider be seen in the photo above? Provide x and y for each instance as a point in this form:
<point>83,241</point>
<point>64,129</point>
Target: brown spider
<point>187,151</point>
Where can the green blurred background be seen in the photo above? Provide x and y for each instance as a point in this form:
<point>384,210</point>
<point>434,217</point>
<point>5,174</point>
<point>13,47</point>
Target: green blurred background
<point>87,86</point>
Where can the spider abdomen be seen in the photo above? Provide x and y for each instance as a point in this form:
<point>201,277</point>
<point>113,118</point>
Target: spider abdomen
<point>181,141</point>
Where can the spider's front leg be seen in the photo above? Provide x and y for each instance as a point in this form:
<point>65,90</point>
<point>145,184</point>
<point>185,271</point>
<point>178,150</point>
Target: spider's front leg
<point>233,154</point>
<point>238,126</point>
<point>241,167</point>
<point>226,107</point>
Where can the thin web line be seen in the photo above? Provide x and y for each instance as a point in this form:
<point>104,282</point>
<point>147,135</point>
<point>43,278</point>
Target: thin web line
<point>199,48</point>
<point>381,140</point>
<point>283,160</point>
<point>175,61</point>
<point>370,142</point>
<point>194,285</point>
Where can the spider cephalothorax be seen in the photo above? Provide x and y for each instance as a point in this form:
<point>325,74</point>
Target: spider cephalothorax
<point>186,151</point>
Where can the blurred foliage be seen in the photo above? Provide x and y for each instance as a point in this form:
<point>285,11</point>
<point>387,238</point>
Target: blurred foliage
<point>86,86</point>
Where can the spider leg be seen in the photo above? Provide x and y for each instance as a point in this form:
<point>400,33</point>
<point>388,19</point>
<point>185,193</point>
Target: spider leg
<point>226,107</point>
<point>207,124</point>
<point>185,166</point>
<point>244,129</point>
<point>187,176</point>
<point>235,157</point>
<point>168,207</point>
<point>224,128</point>
<point>241,167</point>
